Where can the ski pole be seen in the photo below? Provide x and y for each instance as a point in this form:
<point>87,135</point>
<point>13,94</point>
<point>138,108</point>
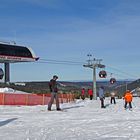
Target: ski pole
<point>134,104</point>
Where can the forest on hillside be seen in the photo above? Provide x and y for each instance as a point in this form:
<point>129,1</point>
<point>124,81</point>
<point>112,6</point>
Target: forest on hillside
<point>72,87</point>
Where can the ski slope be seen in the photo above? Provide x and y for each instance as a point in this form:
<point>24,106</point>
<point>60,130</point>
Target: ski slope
<point>82,120</point>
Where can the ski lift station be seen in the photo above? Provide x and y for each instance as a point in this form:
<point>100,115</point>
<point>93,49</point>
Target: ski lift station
<point>12,53</point>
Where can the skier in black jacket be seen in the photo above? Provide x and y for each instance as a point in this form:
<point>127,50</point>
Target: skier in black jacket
<point>54,94</point>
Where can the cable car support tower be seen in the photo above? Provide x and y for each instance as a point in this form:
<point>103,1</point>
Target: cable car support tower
<point>93,64</point>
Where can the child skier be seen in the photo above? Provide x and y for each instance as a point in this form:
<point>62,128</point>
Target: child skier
<point>128,99</point>
<point>112,94</point>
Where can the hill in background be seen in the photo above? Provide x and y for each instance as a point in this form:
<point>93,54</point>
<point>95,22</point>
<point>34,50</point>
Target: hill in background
<point>66,86</point>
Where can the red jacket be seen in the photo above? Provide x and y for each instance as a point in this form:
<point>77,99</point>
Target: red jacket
<point>90,92</point>
<point>83,92</point>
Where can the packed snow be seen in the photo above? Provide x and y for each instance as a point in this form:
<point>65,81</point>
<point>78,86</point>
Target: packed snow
<point>79,120</point>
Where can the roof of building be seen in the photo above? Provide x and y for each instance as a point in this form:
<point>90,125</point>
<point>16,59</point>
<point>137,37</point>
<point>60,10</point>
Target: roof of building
<point>15,53</point>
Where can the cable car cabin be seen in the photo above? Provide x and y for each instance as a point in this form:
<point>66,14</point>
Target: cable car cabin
<point>14,53</point>
<point>1,73</point>
<point>112,80</point>
<point>102,74</point>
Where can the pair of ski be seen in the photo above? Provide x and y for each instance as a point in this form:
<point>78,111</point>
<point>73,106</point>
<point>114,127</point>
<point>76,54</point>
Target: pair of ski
<point>62,110</point>
<point>130,109</point>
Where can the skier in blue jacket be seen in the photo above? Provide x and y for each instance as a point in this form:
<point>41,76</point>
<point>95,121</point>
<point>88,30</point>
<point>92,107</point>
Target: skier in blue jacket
<point>101,96</point>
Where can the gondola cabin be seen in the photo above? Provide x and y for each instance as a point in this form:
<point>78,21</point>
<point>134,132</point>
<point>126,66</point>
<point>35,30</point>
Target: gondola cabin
<point>112,80</point>
<point>102,74</point>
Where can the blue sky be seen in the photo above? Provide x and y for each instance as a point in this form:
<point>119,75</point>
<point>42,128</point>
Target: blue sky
<point>67,30</point>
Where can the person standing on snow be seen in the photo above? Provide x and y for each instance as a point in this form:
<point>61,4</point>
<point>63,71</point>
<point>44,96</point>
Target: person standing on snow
<point>101,96</point>
<point>128,99</point>
<point>112,94</point>
<point>54,94</point>
<point>90,93</point>
<point>83,93</point>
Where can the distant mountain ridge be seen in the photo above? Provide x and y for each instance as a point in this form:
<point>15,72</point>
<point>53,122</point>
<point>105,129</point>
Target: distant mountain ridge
<point>68,86</point>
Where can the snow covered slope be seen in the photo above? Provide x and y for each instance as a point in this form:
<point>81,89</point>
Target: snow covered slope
<point>82,120</point>
<point>10,90</point>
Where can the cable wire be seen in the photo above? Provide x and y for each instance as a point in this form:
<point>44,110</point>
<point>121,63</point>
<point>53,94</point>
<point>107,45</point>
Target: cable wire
<point>76,63</point>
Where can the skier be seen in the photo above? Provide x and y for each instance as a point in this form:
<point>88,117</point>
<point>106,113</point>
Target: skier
<point>128,99</point>
<point>54,94</point>
<point>83,93</point>
<point>101,96</point>
<point>90,93</point>
<point>112,97</point>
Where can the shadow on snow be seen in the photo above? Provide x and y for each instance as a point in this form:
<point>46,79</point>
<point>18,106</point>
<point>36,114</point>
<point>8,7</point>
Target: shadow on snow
<point>2,123</point>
